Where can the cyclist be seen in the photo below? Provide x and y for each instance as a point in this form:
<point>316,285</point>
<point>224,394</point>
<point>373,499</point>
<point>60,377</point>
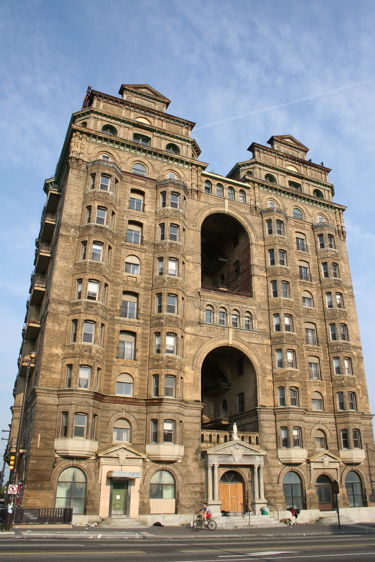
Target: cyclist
<point>205,512</point>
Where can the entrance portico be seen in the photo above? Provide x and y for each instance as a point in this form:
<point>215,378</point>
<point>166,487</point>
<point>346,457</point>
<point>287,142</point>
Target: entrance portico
<point>235,456</point>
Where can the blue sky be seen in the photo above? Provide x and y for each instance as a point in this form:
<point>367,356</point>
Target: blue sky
<point>243,70</point>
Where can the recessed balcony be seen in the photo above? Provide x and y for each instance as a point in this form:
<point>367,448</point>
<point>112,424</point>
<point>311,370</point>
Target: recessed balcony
<point>77,447</point>
<point>168,452</point>
<point>294,455</point>
<point>42,257</point>
<point>47,227</point>
<point>37,289</point>
<point>352,456</point>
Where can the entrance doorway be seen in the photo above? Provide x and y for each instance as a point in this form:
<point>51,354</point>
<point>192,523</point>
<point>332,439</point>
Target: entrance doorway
<point>323,488</point>
<point>231,491</point>
<point>119,497</point>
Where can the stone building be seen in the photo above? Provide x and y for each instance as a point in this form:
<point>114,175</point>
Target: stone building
<point>196,334</point>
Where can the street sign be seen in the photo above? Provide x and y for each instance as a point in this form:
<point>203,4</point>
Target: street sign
<point>12,489</point>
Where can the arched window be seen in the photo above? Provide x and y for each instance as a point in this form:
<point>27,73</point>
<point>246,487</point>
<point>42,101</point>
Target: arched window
<point>272,204</point>
<point>162,485</point>
<point>219,190</point>
<point>321,218</point>
<point>222,317</point>
<point>292,486</point>
<point>270,177</point>
<point>317,401</point>
<point>122,431</point>
<point>109,130</point>
<point>136,200</point>
<point>129,305</point>
<point>126,346</point>
<point>134,232</point>
<point>84,376</point>
<point>207,186</point>
<point>132,265</point>
<point>209,315</point>
<point>354,490</point>
<point>172,148</point>
<point>71,490</point>
<point>124,385</point>
<point>297,213</point>
<point>320,439</point>
<point>139,169</point>
<point>248,321</point>
<point>307,299</point>
<point>314,368</point>
<point>231,193</point>
<point>242,196</point>
<point>141,139</point>
<point>235,319</point>
<point>318,193</point>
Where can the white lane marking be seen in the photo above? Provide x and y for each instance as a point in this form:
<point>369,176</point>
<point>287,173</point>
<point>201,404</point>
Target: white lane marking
<point>260,553</point>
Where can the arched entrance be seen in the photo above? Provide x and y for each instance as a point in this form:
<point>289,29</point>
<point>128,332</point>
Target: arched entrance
<point>323,486</point>
<point>231,492</point>
<point>353,485</point>
<point>293,492</point>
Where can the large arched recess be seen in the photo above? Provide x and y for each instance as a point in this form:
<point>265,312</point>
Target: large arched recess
<point>225,255</point>
<point>229,390</point>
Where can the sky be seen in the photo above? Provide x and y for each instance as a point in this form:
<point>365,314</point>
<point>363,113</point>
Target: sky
<point>242,70</point>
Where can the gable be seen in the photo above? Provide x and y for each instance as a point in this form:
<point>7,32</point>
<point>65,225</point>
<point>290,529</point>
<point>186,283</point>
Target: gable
<point>123,451</point>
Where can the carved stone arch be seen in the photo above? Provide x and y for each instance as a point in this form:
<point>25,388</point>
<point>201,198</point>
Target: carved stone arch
<point>123,415</point>
<point>324,428</point>
<point>353,468</point>
<point>243,220</point>
<point>295,469</point>
<point>73,463</point>
<point>149,471</point>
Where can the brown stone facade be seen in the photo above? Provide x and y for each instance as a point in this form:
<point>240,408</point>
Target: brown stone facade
<point>195,334</point>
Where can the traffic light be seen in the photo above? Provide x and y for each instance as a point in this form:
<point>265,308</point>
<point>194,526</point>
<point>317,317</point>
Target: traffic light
<point>12,460</point>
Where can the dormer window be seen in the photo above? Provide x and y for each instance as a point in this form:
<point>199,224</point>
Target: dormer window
<point>109,130</point>
<point>172,148</point>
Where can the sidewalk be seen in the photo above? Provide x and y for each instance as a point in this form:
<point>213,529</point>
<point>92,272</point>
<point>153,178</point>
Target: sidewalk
<point>182,532</point>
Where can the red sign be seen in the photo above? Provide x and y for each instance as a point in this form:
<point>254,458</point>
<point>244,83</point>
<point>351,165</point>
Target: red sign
<point>12,489</point>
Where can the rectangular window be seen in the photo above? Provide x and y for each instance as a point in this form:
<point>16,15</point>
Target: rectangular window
<point>333,332</point>
<point>348,369</point>
<point>92,181</point>
<point>154,431</point>
<point>169,427</point>
<point>88,332</point>
<point>79,289</point>
<point>285,290</point>
<point>222,318</point>
<point>105,182</point>
<point>269,227</point>
<point>344,439</point>
<point>321,243</point>
<point>172,304</point>
<point>297,437</point>
<point>311,338</point>
<point>174,232</point>
<point>314,370</point>
<point>271,257</point>
<point>331,241</point>
<point>84,376</point>
<point>294,398</point>
<point>325,270</point>
<point>281,392</point>
<point>282,257</point>
<point>171,344</point>
<point>64,425</point>
<point>209,315</point>
<point>73,332</point>
<point>126,350</point>
<point>135,204</point>
<point>69,375</point>
<point>175,200</point>
<point>235,320</point>
<point>88,214</point>
<point>83,250</point>
<point>133,236</point>
<point>339,300</point>
<point>288,323</point>
<point>173,267</point>
<point>301,244</point>
<point>80,423</point>
<point>274,291</point>
<point>340,401</point>
<point>101,216</point>
<point>159,303</point>
<point>329,300</point>
<point>304,273</point>
<point>162,231</point>
<point>155,385</point>
<point>352,400</point>
<point>276,323</point>
<point>336,366</point>
<point>280,228</point>
<point>97,251</point>
<point>291,359</point>
<point>335,270</point>
<point>279,358</point>
<point>160,266</point>
<point>163,199</point>
<point>357,442</point>
<point>128,309</point>
<point>93,290</point>
<point>241,402</point>
<point>157,342</point>
<point>284,437</point>
<point>170,386</point>
<point>344,335</point>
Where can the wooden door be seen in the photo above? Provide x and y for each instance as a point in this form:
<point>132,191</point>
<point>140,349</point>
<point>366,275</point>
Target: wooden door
<point>323,487</point>
<point>231,492</point>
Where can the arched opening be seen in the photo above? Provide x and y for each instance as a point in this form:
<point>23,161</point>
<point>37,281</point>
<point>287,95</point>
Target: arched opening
<point>293,492</point>
<point>323,486</point>
<point>353,485</point>
<point>231,492</point>
<point>71,490</point>
<point>228,389</point>
<point>225,249</point>
<point>162,492</point>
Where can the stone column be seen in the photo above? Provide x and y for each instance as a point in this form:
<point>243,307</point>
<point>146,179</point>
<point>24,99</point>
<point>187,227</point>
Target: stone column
<point>209,483</point>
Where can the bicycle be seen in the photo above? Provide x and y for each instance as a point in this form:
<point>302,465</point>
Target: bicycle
<point>199,523</point>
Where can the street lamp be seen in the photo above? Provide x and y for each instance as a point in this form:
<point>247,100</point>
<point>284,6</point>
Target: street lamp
<point>19,434</point>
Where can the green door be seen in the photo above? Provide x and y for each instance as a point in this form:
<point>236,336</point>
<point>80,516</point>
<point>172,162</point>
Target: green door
<point>119,497</point>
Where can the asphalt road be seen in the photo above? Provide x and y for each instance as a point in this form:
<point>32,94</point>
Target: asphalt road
<point>194,546</point>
